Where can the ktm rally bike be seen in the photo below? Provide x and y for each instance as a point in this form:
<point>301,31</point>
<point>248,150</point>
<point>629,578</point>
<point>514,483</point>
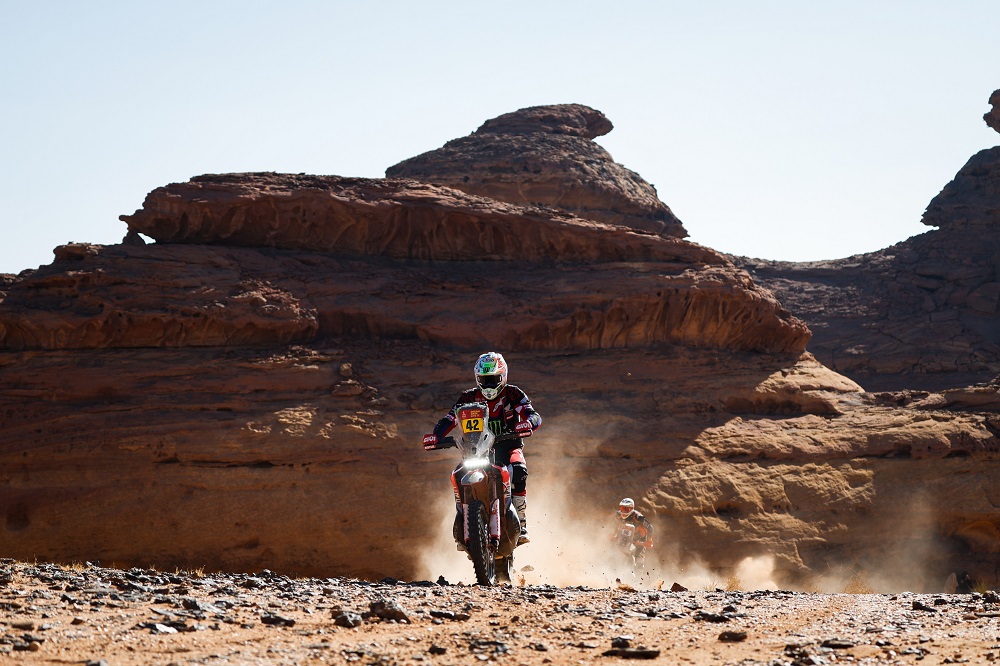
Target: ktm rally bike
<point>624,539</point>
<point>486,523</point>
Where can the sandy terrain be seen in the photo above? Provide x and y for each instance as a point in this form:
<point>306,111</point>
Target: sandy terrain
<point>85,614</point>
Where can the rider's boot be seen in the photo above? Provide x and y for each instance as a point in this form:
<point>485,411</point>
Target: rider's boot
<point>520,505</point>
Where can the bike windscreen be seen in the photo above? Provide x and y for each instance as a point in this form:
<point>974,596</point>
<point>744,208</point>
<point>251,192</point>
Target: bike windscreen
<point>476,436</point>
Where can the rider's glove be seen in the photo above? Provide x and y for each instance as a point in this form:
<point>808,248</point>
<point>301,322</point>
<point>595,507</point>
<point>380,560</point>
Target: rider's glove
<point>431,442</point>
<point>523,429</point>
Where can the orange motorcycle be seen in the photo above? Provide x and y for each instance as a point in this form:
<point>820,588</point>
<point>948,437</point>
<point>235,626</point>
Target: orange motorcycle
<point>624,538</point>
<point>486,524</point>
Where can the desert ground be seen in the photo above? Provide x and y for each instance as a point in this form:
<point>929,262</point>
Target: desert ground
<point>87,614</point>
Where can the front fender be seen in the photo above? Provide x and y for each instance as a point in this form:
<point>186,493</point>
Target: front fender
<point>472,477</point>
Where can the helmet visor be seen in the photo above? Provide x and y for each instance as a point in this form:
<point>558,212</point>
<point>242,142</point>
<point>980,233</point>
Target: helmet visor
<point>488,381</point>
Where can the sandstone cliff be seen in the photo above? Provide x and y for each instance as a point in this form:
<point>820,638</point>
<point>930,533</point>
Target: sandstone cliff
<point>429,252</point>
<point>249,391</point>
<point>241,378</point>
<point>924,313</point>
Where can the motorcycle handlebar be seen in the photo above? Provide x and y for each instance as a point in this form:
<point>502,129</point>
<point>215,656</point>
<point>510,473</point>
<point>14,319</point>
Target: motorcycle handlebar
<point>449,441</point>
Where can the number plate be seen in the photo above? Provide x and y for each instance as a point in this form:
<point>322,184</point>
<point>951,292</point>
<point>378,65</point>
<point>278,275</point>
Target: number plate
<point>472,420</point>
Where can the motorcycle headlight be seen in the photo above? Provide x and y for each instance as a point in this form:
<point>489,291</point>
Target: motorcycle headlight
<point>477,463</point>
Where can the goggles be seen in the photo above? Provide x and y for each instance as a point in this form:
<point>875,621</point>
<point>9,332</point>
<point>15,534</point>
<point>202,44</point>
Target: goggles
<point>488,381</point>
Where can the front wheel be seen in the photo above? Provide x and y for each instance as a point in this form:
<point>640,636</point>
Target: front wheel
<point>480,545</point>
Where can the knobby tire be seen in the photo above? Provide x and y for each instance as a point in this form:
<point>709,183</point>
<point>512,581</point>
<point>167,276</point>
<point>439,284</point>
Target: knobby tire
<point>483,557</point>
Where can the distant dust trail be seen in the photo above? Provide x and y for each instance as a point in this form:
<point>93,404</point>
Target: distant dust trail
<point>911,544</point>
<point>563,551</point>
<point>570,546</point>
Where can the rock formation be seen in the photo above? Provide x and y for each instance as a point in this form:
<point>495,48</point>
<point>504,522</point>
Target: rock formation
<point>924,313</point>
<point>428,250</point>
<point>249,392</point>
<point>992,117</point>
<point>207,369</point>
<point>545,155</point>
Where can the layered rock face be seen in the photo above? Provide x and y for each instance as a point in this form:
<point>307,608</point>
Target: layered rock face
<point>306,460</point>
<point>920,314</point>
<point>204,295</point>
<point>226,396</point>
<point>924,313</point>
<point>545,155</point>
<point>250,390</point>
<point>675,291</point>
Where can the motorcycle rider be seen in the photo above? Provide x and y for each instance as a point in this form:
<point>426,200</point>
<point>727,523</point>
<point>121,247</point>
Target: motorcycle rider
<point>510,411</point>
<point>642,537</point>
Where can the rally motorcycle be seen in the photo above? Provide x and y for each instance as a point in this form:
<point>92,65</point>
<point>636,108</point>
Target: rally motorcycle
<point>624,541</point>
<point>486,523</point>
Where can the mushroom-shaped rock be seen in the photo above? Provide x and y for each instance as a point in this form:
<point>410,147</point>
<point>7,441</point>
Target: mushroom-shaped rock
<point>992,117</point>
<point>546,156</point>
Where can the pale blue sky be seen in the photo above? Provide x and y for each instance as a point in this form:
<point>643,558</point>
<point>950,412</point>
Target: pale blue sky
<point>784,130</point>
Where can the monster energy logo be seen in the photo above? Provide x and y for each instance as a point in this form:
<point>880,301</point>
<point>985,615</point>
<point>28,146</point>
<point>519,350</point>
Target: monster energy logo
<point>496,426</point>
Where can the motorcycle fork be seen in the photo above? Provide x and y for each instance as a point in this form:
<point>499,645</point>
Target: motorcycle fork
<point>501,498</point>
<point>496,492</point>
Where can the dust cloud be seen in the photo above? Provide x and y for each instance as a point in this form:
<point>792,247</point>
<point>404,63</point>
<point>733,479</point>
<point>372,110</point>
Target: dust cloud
<point>571,546</point>
<point>563,551</point>
<point>912,555</point>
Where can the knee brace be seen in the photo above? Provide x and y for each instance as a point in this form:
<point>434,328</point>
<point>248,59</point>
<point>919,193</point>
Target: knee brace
<point>519,478</point>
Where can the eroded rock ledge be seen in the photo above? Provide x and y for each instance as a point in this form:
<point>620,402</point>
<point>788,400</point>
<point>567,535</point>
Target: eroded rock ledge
<point>397,218</point>
<point>920,314</point>
<point>325,256</point>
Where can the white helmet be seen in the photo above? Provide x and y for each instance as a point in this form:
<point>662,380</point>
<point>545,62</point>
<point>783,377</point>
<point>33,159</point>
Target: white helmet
<point>491,374</point>
<point>626,507</point>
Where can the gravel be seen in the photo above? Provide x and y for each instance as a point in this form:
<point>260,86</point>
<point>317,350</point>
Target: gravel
<point>88,614</point>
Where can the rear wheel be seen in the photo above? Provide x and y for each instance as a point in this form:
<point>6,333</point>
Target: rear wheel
<point>480,548</point>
